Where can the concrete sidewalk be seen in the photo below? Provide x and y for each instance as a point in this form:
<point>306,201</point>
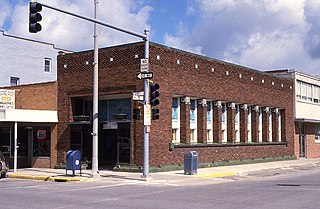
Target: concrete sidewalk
<point>59,175</point>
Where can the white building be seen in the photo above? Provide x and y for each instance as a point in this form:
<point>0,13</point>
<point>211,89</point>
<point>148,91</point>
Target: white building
<point>25,61</point>
<point>307,113</point>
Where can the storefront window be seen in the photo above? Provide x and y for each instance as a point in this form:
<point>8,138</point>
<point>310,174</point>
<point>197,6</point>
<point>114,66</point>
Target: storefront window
<point>41,141</point>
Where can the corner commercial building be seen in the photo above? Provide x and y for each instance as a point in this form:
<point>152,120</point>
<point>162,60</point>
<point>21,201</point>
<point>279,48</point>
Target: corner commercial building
<point>224,111</point>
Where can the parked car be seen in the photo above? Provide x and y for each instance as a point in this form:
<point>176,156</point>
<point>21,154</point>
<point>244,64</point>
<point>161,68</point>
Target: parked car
<point>3,166</point>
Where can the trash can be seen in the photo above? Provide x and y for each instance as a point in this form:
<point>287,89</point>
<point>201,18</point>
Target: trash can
<point>73,161</point>
<point>190,163</point>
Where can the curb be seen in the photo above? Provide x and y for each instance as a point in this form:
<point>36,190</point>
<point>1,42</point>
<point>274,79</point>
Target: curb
<point>46,178</point>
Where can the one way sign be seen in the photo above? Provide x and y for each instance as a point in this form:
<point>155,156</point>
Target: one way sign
<point>145,75</point>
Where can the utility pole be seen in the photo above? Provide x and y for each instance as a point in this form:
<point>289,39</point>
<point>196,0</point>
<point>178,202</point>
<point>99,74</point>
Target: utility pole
<point>95,126</point>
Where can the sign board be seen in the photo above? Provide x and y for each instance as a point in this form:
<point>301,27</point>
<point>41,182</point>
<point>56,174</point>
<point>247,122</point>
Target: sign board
<point>7,99</point>
<point>139,96</point>
<point>147,75</point>
<point>147,115</point>
<point>110,125</point>
<point>144,65</point>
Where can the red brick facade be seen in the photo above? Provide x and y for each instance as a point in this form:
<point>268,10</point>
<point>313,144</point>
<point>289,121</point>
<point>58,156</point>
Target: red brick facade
<point>212,80</point>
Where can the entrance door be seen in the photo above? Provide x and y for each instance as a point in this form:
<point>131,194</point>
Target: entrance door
<point>108,148</point>
<point>114,145</point>
<point>302,140</point>
<point>302,146</point>
<point>123,143</point>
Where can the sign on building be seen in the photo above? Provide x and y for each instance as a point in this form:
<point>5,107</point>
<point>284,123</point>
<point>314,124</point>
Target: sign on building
<point>7,99</point>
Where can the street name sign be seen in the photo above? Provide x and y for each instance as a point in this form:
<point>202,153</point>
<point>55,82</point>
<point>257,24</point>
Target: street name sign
<point>148,75</point>
<point>138,96</point>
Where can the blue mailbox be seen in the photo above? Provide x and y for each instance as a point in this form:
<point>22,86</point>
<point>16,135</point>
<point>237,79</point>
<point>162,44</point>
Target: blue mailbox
<point>190,163</point>
<point>73,161</point>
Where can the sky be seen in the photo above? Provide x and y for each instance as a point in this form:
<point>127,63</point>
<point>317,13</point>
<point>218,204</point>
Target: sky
<point>260,34</point>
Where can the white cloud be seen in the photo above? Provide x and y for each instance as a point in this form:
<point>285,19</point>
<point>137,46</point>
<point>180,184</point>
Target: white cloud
<point>179,43</point>
<point>264,34</point>
<point>75,34</point>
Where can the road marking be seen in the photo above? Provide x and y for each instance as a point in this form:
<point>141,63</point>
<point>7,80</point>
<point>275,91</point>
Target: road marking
<point>215,175</point>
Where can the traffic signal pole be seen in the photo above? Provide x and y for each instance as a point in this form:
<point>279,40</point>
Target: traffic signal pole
<point>145,38</point>
<point>146,129</point>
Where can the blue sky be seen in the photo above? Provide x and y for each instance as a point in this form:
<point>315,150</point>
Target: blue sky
<point>261,34</point>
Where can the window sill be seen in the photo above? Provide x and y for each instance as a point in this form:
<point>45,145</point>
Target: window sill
<point>199,145</point>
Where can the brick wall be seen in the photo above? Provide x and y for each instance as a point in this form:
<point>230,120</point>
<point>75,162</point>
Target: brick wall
<point>40,96</point>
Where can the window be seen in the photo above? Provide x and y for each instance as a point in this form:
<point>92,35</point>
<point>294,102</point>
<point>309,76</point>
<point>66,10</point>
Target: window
<point>47,65</point>
<point>175,120</point>
<point>304,91</point>
<point>316,94</point>
<point>41,141</point>
<point>237,116</point>
<point>223,115</point>
<point>209,110</point>
<point>298,90</point>
<point>193,111</point>
<point>175,105</point>
<point>14,81</point>
<point>317,132</point>
<point>309,92</point>
<point>174,135</point>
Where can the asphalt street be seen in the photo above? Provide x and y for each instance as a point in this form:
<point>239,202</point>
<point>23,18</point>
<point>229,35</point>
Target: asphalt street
<point>275,188</point>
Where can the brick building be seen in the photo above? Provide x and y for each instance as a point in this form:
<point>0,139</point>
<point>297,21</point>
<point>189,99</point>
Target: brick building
<point>29,114</point>
<point>224,111</point>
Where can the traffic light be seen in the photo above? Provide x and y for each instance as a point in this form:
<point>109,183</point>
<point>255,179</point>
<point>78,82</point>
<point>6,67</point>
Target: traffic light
<point>155,114</point>
<point>154,94</point>
<point>35,17</point>
<point>136,113</point>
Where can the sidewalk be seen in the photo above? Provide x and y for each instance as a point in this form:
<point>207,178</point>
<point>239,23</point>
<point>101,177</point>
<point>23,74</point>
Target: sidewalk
<point>59,175</point>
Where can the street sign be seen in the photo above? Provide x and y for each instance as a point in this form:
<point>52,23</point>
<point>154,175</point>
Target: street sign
<point>147,115</point>
<point>148,75</point>
<point>144,65</point>
<point>139,96</point>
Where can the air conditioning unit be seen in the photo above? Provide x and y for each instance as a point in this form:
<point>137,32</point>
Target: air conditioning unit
<point>266,109</point>
<point>275,110</point>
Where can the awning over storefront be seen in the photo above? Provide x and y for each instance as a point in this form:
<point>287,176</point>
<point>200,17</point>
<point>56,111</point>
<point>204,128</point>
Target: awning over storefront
<point>22,115</point>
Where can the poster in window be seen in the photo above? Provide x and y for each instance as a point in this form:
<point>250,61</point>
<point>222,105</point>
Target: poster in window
<point>41,134</point>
